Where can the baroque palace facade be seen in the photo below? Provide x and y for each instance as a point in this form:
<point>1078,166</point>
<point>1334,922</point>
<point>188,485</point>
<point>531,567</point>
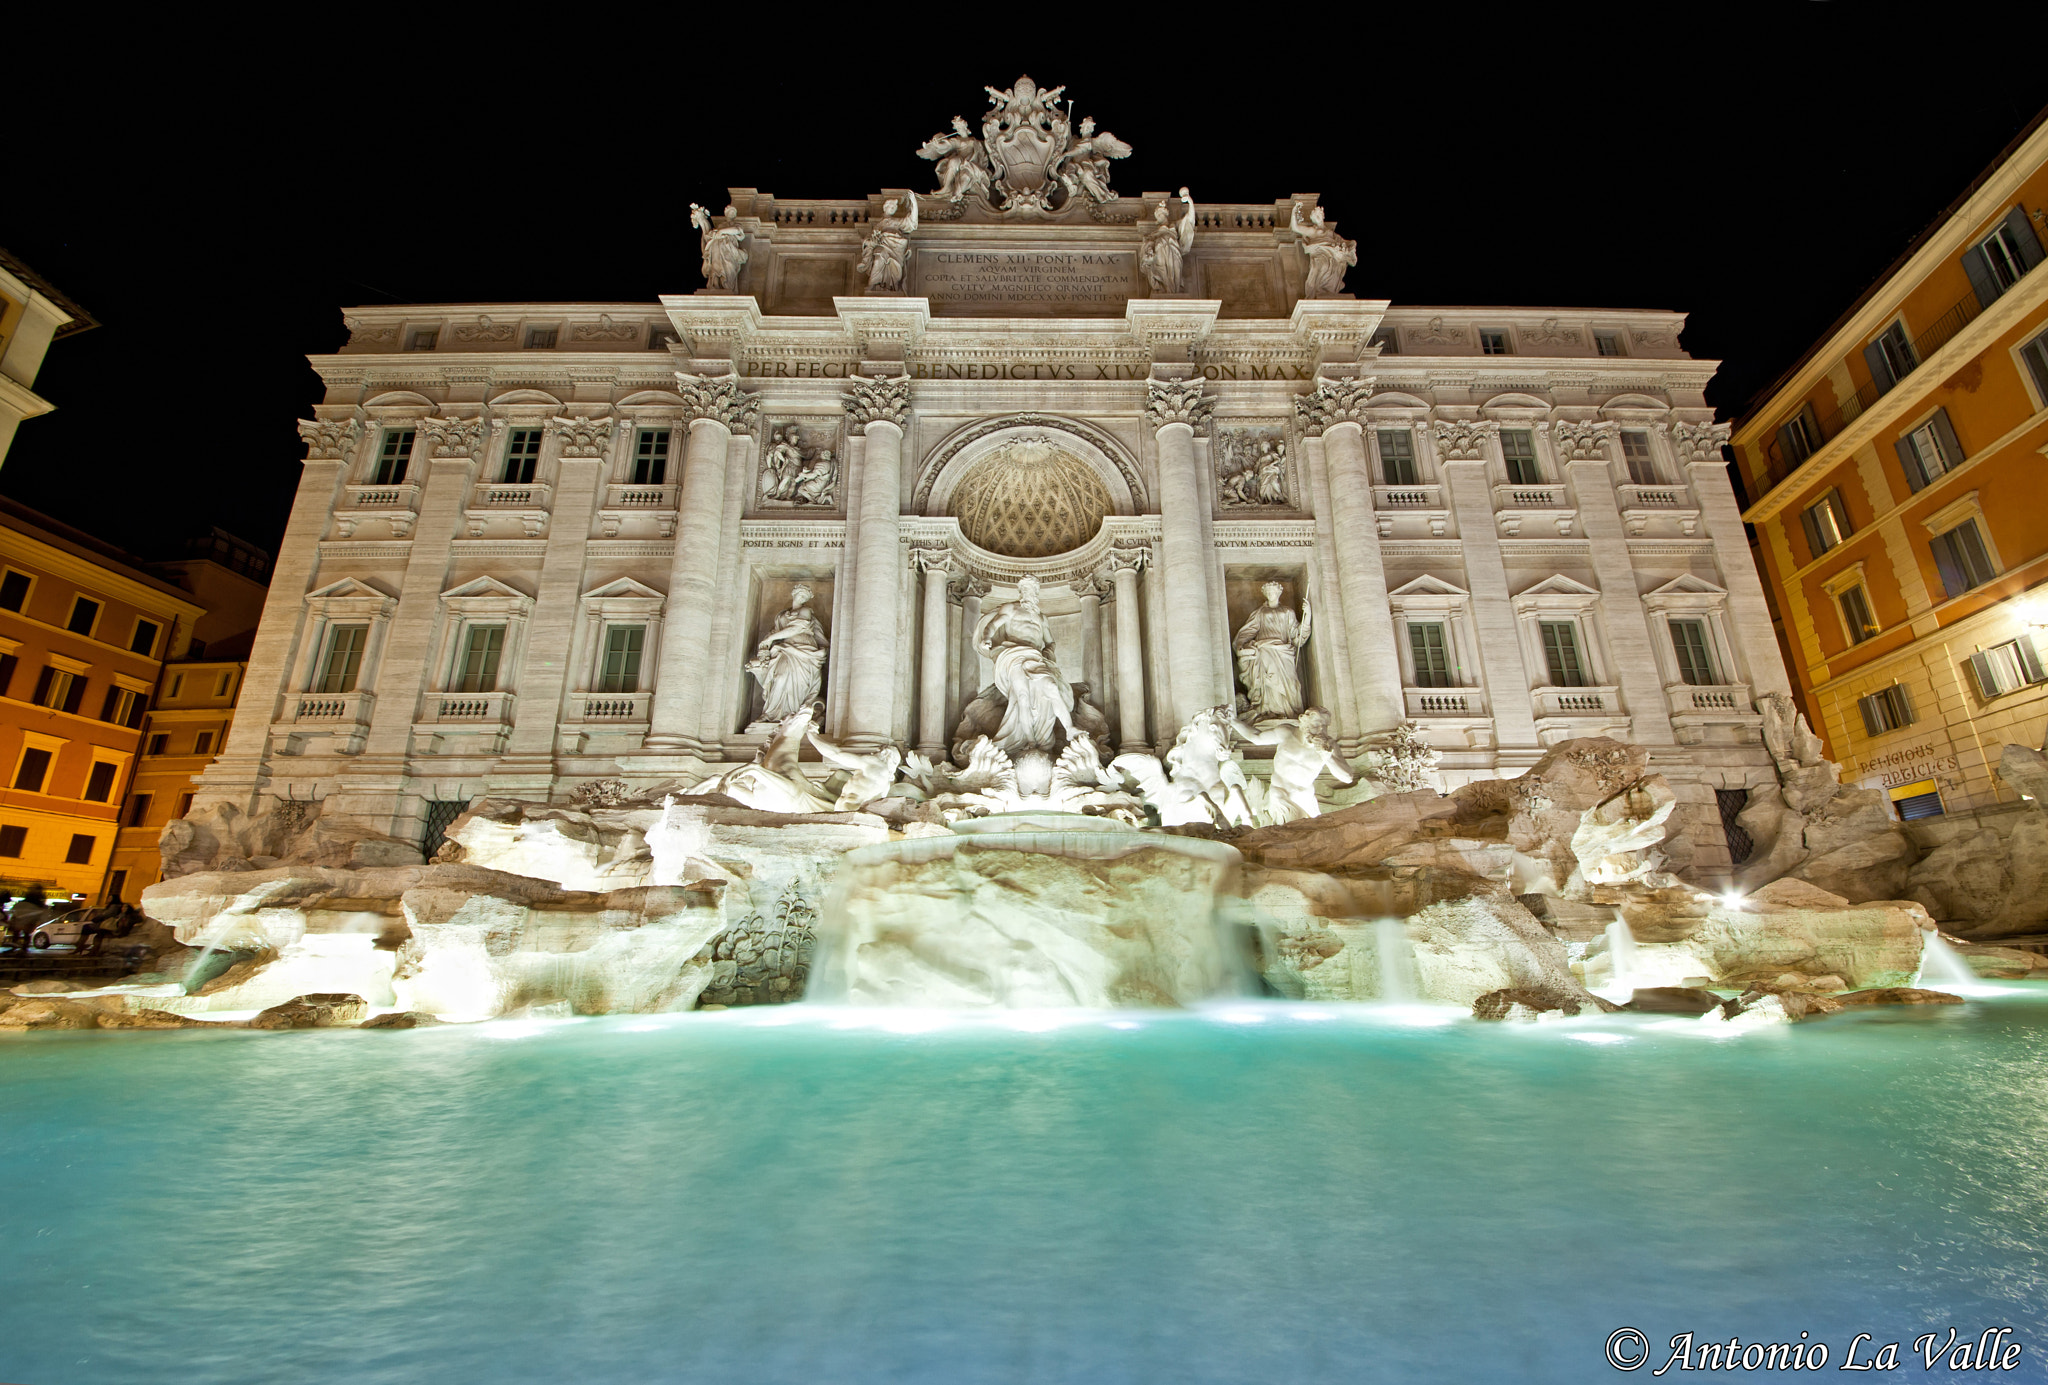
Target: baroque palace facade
<point>535,545</point>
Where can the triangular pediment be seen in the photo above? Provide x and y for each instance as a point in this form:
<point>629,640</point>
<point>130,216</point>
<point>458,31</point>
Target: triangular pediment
<point>1688,585</point>
<point>1427,585</point>
<point>347,587</point>
<point>1559,585</point>
<point>485,586</point>
<point>623,587</point>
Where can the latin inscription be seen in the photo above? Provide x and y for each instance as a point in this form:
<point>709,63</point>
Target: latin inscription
<point>1002,278</point>
<point>1018,370</point>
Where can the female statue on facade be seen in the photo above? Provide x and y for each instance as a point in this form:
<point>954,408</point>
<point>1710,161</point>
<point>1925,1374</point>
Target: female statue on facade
<point>1166,246</point>
<point>882,253</point>
<point>963,165</point>
<point>1017,639</point>
<point>1268,649</point>
<point>781,465</point>
<point>1329,254</point>
<point>1272,473</point>
<point>789,662</point>
<point>723,247</point>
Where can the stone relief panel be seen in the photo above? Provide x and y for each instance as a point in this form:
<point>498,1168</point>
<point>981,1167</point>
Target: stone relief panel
<point>1254,467</point>
<point>802,464</point>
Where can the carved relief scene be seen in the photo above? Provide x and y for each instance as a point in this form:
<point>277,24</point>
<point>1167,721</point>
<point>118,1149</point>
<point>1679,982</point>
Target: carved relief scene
<point>800,465</point>
<point>1251,466</point>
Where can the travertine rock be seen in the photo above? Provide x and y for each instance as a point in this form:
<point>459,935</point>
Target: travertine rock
<point>1522,1004</point>
<point>49,1013</point>
<point>1672,1000</point>
<point>156,1019</point>
<point>1987,884</point>
<point>320,1011</point>
<point>2026,770</point>
<point>1856,848</point>
<point>401,1019</point>
<point>1465,948</point>
<point>1895,995</point>
<point>1875,944</point>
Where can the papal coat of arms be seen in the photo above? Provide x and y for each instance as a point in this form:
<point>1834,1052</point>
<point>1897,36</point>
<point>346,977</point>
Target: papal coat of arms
<point>1028,160</point>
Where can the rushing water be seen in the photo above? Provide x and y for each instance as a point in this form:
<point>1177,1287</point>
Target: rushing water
<point>1264,1192</point>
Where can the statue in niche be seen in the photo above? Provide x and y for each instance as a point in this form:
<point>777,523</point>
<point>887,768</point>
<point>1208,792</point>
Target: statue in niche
<point>1303,750</point>
<point>789,662</point>
<point>963,163</point>
<point>1086,170</point>
<point>723,246</point>
<point>1268,649</point>
<point>1166,244</point>
<point>883,252</point>
<point>1329,254</point>
<point>1251,471</point>
<point>792,476</point>
<point>1017,639</point>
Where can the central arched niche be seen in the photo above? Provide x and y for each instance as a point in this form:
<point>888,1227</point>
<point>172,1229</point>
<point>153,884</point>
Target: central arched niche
<point>1030,498</point>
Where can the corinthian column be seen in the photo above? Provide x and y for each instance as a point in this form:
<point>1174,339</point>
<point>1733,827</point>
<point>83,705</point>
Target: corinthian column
<point>1123,568</point>
<point>1333,413</point>
<point>1088,590</point>
<point>876,408</point>
<point>1175,409</point>
<point>971,590</point>
<point>716,410</point>
<point>937,566</point>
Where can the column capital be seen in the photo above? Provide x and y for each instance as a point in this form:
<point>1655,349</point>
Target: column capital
<point>453,438</point>
<point>968,588</point>
<point>1579,440</point>
<point>932,559</point>
<point>1463,441</point>
<point>1177,401</point>
<point>583,437</point>
<point>1700,442</point>
<point>330,439</point>
<point>719,399</point>
<point>1091,586</point>
<point>1127,557</point>
<point>1332,402</point>
<point>877,401</point>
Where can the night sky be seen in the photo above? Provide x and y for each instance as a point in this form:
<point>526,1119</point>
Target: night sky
<point>214,208</point>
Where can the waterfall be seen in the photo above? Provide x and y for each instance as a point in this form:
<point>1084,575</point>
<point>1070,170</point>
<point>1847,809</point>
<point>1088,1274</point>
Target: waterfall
<point>1942,967</point>
<point>1396,956</point>
<point>1621,957</point>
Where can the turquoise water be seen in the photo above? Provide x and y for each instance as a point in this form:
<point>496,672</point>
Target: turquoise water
<point>1258,1193</point>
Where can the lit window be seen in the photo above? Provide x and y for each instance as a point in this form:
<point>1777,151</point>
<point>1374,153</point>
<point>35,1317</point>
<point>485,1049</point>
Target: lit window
<point>123,706</point>
<point>1432,659</point>
<point>1518,447</point>
<point>2007,667</point>
<point>1397,457</point>
<point>1887,709</point>
<point>522,456</point>
<point>394,457</point>
<point>1561,654</point>
<point>1493,343</point>
<point>1826,522</point>
<point>59,689</point>
<point>622,646</point>
<point>344,659</point>
<point>1962,559</point>
<point>1929,450</point>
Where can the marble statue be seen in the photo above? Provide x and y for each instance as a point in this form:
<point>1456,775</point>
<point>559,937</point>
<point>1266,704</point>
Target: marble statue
<point>1179,802</point>
<point>1025,132</point>
<point>781,463</point>
<point>1201,756</point>
<point>882,253</point>
<point>789,662</point>
<point>1268,649</point>
<point>816,483</point>
<point>680,834</point>
<point>1329,254</point>
<point>868,776</point>
<point>963,163</point>
<point>724,248</point>
<point>1251,472</point>
<point>1303,750</point>
<point>1017,639</point>
<point>1085,170</point>
<point>774,782</point>
<point>1166,245</point>
<point>1272,473</point>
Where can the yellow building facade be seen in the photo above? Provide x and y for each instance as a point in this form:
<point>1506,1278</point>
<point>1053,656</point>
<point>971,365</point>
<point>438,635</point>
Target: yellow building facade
<point>1902,510</point>
<point>83,637</point>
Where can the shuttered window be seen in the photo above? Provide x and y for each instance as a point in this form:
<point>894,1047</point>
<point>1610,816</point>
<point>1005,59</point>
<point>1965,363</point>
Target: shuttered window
<point>1917,800</point>
<point>621,671</point>
<point>344,659</point>
<point>1561,654</point>
<point>1432,658</point>
<point>1689,639</point>
<point>522,456</point>
<point>1397,457</point>
<point>2002,258</point>
<point>394,457</point>
<point>2007,667</point>
<point>1826,522</point>
<point>1891,357</point>
<point>482,647</point>
<point>1856,616</point>
<point>1929,450</point>
<point>2034,353</point>
<point>1961,557</point>
<point>1887,709</point>
<point>1799,436</point>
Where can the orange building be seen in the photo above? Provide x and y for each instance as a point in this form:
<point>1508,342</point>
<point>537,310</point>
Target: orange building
<point>84,632</point>
<point>1902,517</point>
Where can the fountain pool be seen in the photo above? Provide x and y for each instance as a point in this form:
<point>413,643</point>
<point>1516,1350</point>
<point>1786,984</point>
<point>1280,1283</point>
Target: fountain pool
<point>1254,1191</point>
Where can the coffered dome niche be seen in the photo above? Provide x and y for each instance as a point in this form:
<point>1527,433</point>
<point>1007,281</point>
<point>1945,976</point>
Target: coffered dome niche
<point>1030,498</point>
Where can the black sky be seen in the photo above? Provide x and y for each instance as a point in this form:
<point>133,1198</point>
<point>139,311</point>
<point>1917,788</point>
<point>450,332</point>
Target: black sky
<point>214,201</point>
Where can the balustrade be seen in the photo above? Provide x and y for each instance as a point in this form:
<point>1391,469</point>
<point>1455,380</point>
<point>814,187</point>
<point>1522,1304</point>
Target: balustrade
<point>1445,702</point>
<point>469,706</point>
<point>1731,698</point>
<point>613,707</point>
<point>1568,702</point>
<point>332,707</point>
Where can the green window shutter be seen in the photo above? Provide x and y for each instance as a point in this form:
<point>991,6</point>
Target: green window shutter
<point>1945,434</point>
<point>1689,639</point>
<point>1986,674</point>
<point>2030,659</point>
<point>1561,654</point>
<point>2021,234</point>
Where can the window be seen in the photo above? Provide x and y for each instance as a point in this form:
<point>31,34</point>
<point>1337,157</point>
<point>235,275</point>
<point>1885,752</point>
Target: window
<point>1929,450</point>
<point>143,641</point>
<point>1493,343</point>
<point>2002,258</point>
<point>659,335</point>
<point>1608,344</point>
<point>159,744</point>
<point>184,804</point>
<point>59,689</point>
<point>1518,446</point>
<point>1397,457</point>
<point>1962,559</point>
<point>222,684</point>
<point>123,706</point>
<point>1799,436</point>
<point>177,685</point>
<point>1635,450</point>
<point>1887,709</point>
<point>1432,660</point>
<point>8,663</point>
<point>394,457</point>
<point>1561,654</point>
<point>1856,616</point>
<point>621,672</point>
<point>34,768</point>
<point>202,744</point>
<point>1689,640</point>
<point>85,613</point>
<point>1826,522</point>
<point>344,659</point>
<point>522,456</point>
<point>540,338</point>
<point>80,851</point>
<point>1917,800</point>
<point>12,840</point>
<point>1387,340</point>
<point>650,457</point>
<point>1891,357</point>
<point>481,647</point>
<point>138,808</point>
<point>422,339</point>
<point>99,785</point>
<point>2007,667</point>
<point>2034,354</point>
<point>14,590</point>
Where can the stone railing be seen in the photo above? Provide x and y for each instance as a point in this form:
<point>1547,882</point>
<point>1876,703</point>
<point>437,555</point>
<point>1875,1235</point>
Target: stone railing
<point>1651,497</point>
<point>1543,497</point>
<point>628,497</point>
<point>1710,698</point>
<point>640,505</point>
<point>1424,502</point>
<point>468,706</point>
<point>1578,702</point>
<point>510,495</point>
<point>332,707</point>
<point>398,497</point>
<point>604,706</point>
<point>1445,702</point>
